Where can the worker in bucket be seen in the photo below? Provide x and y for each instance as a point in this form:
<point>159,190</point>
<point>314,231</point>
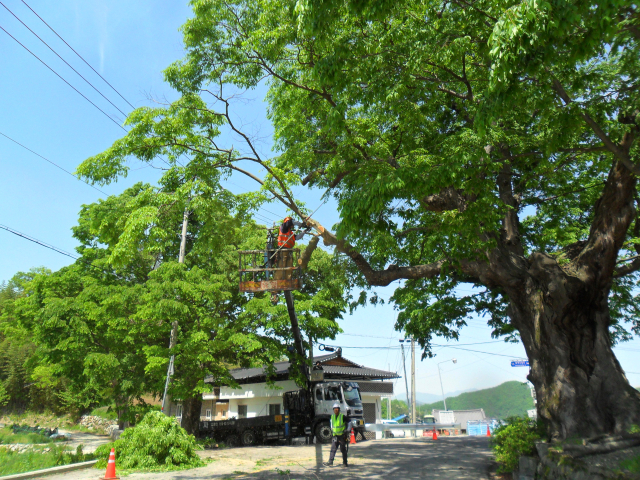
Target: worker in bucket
<point>339,429</point>
<point>284,256</point>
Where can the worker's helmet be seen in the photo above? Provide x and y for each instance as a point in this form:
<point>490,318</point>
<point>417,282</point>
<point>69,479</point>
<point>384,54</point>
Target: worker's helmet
<point>336,405</point>
<point>286,219</point>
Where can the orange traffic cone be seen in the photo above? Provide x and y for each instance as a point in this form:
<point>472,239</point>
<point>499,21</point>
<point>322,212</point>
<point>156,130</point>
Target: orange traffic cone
<point>353,438</point>
<point>111,467</point>
<point>488,431</point>
<point>435,434</point>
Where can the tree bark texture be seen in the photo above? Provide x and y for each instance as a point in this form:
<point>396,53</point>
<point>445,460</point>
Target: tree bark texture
<point>562,314</point>
<point>564,326</point>
<point>191,408</point>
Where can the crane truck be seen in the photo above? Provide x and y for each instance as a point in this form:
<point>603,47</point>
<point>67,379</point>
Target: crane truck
<point>306,413</point>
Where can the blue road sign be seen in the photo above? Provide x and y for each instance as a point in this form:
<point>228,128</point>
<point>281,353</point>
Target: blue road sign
<point>519,363</point>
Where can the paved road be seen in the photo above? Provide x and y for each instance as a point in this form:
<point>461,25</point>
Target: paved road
<point>88,441</point>
<point>449,458</point>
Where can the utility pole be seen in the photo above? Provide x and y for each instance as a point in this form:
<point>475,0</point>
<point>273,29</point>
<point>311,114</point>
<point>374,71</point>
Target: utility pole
<point>413,382</point>
<point>174,325</point>
<point>406,383</point>
<point>389,403</point>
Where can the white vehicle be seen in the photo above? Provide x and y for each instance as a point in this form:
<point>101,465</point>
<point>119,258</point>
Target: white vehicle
<point>395,433</point>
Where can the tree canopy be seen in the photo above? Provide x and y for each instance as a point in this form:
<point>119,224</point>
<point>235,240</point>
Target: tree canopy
<point>102,325</point>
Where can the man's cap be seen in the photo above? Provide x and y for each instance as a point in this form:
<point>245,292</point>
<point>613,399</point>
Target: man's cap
<point>336,405</point>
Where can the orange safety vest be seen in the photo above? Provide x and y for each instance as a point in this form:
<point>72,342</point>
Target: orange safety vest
<point>286,240</point>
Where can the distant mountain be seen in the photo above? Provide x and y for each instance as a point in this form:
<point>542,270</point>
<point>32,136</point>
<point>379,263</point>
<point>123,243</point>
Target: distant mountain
<point>422,398</point>
<point>505,400</point>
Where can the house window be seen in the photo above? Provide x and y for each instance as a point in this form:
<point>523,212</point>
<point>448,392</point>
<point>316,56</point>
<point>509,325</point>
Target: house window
<point>274,409</point>
<point>242,411</point>
<point>208,414</point>
<point>179,410</point>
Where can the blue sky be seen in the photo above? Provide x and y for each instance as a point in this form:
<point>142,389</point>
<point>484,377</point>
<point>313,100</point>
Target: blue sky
<point>130,43</point>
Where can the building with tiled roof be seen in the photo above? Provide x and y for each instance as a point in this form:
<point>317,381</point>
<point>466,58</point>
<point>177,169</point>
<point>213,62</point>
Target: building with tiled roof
<point>254,397</point>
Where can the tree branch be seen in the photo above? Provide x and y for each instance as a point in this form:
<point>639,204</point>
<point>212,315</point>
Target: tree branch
<point>448,199</point>
<point>621,152</point>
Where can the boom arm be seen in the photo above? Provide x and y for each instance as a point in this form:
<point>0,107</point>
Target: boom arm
<point>295,328</point>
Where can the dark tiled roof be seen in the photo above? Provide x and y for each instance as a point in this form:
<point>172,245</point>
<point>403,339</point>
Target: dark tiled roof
<point>356,372</point>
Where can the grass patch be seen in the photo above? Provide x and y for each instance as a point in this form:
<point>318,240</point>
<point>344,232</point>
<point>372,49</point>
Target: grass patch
<point>83,429</point>
<point>108,413</point>
<point>8,437</point>
<point>46,419</point>
<point>263,462</point>
<point>37,459</point>
<point>631,464</point>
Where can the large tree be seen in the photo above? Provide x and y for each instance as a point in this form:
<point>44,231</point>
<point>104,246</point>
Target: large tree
<point>485,142</point>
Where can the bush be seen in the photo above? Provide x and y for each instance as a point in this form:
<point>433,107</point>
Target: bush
<point>515,438</point>
<point>156,443</point>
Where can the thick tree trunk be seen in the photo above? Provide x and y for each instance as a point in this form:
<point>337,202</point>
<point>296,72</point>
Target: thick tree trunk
<point>191,408</point>
<point>564,325</point>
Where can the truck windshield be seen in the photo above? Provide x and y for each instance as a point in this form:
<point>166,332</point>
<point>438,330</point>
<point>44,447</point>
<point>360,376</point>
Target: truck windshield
<point>352,397</point>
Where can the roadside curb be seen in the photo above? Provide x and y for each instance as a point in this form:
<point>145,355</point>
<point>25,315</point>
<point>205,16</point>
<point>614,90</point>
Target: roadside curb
<point>50,471</point>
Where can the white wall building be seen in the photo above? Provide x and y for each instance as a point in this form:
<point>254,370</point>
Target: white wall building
<point>255,398</point>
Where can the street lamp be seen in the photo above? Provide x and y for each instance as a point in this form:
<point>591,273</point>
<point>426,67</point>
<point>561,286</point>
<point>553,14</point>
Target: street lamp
<point>439,375</point>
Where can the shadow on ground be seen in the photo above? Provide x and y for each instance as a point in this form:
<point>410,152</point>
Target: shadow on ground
<point>452,458</point>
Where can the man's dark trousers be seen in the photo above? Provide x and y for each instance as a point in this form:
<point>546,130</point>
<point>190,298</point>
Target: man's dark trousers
<point>342,441</point>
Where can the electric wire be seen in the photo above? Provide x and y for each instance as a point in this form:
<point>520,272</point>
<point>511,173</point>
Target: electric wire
<point>56,249</point>
<point>80,56</point>
<point>58,55</point>
<point>434,345</point>
<point>54,164</point>
<point>61,78</point>
<point>39,242</point>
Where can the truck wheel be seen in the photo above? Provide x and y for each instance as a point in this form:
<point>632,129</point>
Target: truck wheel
<point>249,438</point>
<point>323,432</point>
<point>233,441</point>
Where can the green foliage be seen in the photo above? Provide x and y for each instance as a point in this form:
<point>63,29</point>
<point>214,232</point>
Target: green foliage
<point>156,443</point>
<point>108,413</point>
<point>398,407</point>
<point>102,325</point>
<point>508,399</point>
<point>25,380</point>
<point>8,435</point>
<point>631,464</point>
<point>513,439</point>
<point>35,459</point>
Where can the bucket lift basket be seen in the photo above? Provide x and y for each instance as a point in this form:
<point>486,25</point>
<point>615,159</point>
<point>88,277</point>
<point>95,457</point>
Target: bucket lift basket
<point>259,271</point>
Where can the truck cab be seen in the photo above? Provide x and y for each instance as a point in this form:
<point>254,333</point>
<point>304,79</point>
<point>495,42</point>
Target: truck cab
<point>325,395</point>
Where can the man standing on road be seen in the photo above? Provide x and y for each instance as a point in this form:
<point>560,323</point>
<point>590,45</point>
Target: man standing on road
<point>339,429</point>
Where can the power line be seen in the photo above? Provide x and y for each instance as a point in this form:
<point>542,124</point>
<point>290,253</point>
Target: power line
<point>58,55</point>
<point>39,242</point>
<point>54,164</point>
<point>438,345</point>
<point>56,249</point>
<point>60,77</point>
<point>105,81</point>
<point>433,344</point>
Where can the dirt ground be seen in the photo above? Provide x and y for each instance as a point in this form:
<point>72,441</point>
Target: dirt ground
<point>449,458</point>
